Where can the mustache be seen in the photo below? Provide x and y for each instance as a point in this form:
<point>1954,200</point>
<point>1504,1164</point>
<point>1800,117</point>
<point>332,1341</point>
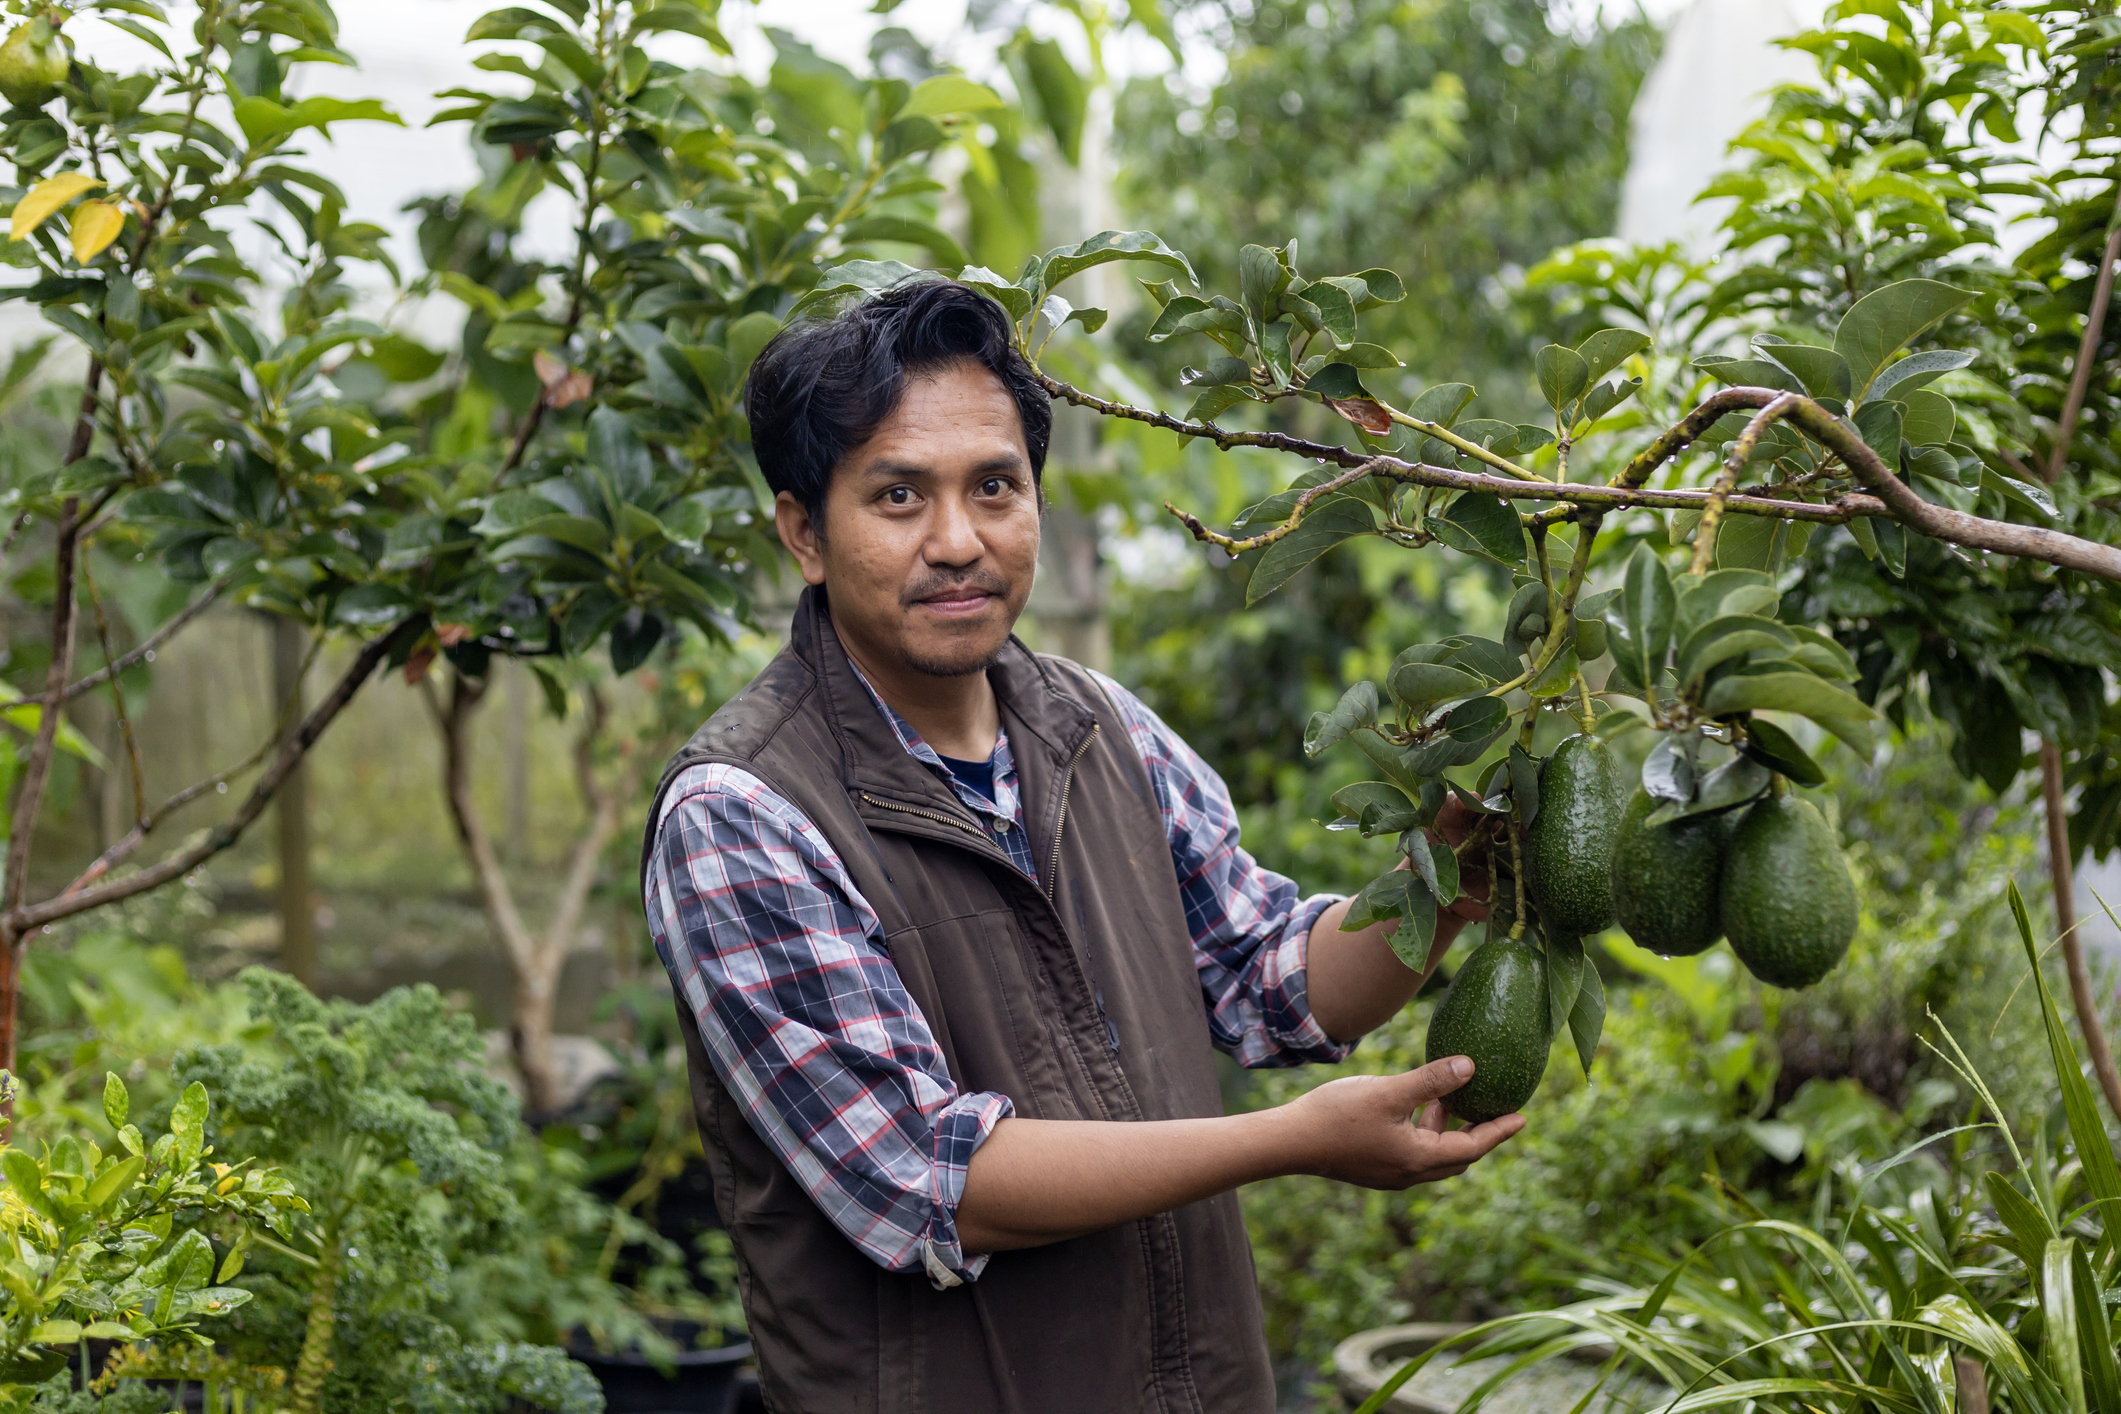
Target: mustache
<point>935,585</point>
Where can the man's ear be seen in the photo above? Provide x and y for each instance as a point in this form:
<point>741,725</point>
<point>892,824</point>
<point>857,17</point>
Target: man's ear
<point>800,534</point>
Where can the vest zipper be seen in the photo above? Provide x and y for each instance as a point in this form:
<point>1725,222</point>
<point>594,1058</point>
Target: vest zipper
<point>1060,823</point>
<point>936,815</point>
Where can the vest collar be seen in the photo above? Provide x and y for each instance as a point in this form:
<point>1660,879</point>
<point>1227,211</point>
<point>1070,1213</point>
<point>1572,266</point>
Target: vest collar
<point>1047,725</point>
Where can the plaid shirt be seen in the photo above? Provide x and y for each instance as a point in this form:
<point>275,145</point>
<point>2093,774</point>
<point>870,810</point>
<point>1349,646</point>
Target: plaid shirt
<point>813,1033</point>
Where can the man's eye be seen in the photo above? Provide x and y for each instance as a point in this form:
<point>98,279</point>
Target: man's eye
<point>994,486</point>
<point>900,495</point>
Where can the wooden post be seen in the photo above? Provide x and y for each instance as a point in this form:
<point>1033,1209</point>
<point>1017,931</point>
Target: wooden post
<point>298,907</point>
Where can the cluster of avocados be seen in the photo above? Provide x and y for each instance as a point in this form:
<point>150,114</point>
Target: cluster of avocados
<point>1769,875</point>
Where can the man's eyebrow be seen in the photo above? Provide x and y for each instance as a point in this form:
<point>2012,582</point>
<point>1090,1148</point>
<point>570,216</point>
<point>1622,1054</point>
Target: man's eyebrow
<point>889,466</point>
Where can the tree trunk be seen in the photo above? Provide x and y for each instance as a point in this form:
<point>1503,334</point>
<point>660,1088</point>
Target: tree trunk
<point>534,959</point>
<point>298,908</point>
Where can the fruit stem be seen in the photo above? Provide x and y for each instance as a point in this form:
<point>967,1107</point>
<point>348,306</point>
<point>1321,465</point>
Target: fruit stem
<point>1583,695</point>
<point>1517,881</point>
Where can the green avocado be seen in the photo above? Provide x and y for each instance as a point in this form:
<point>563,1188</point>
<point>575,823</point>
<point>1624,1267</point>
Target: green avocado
<point>1496,1013</point>
<point>1788,904</point>
<point>1667,879</point>
<point>1569,849</point>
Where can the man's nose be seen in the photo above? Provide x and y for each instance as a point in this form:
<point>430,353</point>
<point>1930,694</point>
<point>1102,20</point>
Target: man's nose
<point>953,538</point>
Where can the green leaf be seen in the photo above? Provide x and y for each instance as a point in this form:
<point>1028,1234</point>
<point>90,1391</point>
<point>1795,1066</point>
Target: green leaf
<point>187,1121</point>
<point>1565,969</point>
<point>26,1179</point>
<point>1417,924</point>
<point>262,120</point>
<point>1364,356</point>
<point>1563,375</point>
<point>1442,403</point>
<point>1480,524</point>
<point>1323,527</point>
<point>2059,1338</point>
<point>115,1101</point>
<point>114,1181</point>
<point>1420,684</point>
<point>1106,247</point>
<point>1647,606</point>
<point>1477,719</point>
<point>1017,300</point>
<point>1379,806</point>
<point>56,1333</point>
<point>1879,424</point>
<point>2033,498</point>
<point>1930,419</point>
<point>1915,371</point>
<point>1607,349</point>
<point>1734,783</point>
<point>1722,639</point>
<point>1749,373</point>
<point>1357,708</point>
<point>1839,711</point>
<point>948,94</point>
<point>1884,321</point>
<point>1824,373</point>
<point>1777,750</point>
<point>1587,1017</point>
<point>2102,1375</point>
<point>682,18</point>
<point>862,277</point>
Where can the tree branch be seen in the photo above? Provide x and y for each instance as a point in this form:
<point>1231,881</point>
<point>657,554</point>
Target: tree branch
<point>1720,492</point>
<point>2088,350</point>
<point>148,645</point>
<point>1888,495</point>
<point>453,722</point>
<point>22,919</point>
<point>37,770</point>
<point>2080,978</point>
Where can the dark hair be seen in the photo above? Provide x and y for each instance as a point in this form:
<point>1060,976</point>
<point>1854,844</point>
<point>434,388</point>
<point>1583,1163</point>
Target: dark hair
<point>821,388</point>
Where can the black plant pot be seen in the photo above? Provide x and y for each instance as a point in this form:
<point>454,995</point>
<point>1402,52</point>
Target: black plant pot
<point>703,1382</point>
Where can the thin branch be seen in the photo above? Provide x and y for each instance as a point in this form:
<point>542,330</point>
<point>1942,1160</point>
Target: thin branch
<point>152,642</point>
<point>117,697</point>
<point>1720,492</point>
<point>1449,438</point>
<point>2080,980</point>
<point>2088,351</point>
<point>1296,514</point>
<point>21,920</point>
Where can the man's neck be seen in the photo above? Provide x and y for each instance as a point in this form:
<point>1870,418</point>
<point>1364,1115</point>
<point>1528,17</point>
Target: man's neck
<point>958,716</point>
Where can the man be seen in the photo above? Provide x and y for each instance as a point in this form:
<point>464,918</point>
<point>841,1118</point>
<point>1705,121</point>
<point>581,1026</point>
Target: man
<point>953,928</point>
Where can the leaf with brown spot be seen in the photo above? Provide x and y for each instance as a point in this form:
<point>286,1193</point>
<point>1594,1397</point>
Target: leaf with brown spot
<point>564,386</point>
<point>1369,416</point>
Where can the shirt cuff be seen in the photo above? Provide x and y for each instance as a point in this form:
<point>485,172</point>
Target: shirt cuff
<point>960,1128</point>
<point>1300,1037</point>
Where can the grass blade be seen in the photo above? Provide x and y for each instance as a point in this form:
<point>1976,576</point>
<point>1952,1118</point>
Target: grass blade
<point>2101,1175</point>
<point>2102,1377</point>
<point>2058,1338</point>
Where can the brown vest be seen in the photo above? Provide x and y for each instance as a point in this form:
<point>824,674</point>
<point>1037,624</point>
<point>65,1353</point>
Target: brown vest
<point>1074,995</point>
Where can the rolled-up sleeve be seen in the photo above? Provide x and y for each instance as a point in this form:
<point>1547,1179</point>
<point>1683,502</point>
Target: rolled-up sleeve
<point>1251,927</point>
<point>807,1022</point>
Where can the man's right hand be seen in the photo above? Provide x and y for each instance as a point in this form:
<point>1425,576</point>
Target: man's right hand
<point>1364,1129</point>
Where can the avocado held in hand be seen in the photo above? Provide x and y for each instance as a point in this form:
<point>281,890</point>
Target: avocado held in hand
<point>1788,903</point>
<point>1569,849</point>
<point>1496,1013</point>
<point>1668,879</point>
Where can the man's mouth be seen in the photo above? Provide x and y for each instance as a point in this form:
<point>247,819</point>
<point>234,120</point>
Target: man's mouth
<point>962,601</point>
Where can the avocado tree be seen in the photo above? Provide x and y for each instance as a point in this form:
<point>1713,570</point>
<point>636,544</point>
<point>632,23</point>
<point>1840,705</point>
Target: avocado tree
<point>1887,167</point>
<point>1824,434</point>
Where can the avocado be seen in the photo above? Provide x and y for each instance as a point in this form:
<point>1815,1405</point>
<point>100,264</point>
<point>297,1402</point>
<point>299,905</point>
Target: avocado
<point>1667,879</point>
<point>1788,904</point>
<point>1569,849</point>
<point>1496,1013</point>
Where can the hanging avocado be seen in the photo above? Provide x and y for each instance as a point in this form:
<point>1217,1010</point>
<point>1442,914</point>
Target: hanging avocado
<point>1788,904</point>
<point>1667,879</point>
<point>1496,1013</point>
<point>33,63</point>
<point>1569,849</point>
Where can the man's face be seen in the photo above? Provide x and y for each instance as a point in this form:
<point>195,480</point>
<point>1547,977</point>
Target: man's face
<point>930,533</point>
